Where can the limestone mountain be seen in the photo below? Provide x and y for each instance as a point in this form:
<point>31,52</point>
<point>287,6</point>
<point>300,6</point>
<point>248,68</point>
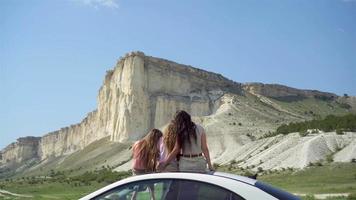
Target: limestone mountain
<point>143,92</point>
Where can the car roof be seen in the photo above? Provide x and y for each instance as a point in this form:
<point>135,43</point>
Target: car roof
<point>172,175</point>
<point>236,177</point>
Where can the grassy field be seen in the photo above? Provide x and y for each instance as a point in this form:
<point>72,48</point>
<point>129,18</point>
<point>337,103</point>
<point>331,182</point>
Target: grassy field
<point>330,178</point>
<point>49,190</point>
<point>60,184</point>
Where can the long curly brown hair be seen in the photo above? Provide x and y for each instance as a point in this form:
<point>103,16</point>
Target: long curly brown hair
<point>184,127</point>
<point>169,137</point>
<point>147,149</point>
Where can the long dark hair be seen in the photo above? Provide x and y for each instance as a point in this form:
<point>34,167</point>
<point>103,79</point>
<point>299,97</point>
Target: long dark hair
<point>184,127</point>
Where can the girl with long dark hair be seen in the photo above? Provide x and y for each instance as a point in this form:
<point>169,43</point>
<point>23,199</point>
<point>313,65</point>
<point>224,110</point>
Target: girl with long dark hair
<point>190,146</point>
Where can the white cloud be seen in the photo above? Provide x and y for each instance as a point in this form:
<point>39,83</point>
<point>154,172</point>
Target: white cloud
<point>113,4</point>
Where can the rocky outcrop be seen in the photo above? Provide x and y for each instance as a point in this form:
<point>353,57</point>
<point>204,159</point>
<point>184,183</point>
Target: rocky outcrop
<point>23,149</point>
<point>348,102</point>
<point>145,92</point>
<point>284,93</point>
<point>70,139</point>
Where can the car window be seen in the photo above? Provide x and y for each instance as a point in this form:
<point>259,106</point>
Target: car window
<point>169,189</point>
<point>278,193</point>
<point>140,190</point>
<point>196,190</point>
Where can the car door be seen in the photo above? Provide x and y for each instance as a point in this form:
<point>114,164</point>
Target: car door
<point>168,189</point>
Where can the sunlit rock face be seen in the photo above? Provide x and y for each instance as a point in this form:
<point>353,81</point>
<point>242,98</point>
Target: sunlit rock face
<point>144,92</point>
<point>23,149</point>
<point>286,93</point>
<point>140,93</point>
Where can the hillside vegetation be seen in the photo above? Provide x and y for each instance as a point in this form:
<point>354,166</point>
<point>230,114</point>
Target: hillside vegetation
<point>329,123</point>
<point>60,184</point>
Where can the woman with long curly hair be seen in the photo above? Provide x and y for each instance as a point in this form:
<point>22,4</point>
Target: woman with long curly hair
<point>190,146</point>
<point>166,145</point>
<point>146,153</point>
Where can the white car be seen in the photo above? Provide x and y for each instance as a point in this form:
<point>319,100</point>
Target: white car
<point>189,186</point>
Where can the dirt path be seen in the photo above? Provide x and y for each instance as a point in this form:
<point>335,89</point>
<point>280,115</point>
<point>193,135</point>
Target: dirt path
<point>7,193</point>
<point>324,196</point>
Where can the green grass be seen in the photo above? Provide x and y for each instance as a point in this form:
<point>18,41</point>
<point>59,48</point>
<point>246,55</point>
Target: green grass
<point>61,184</point>
<point>51,190</point>
<point>331,178</point>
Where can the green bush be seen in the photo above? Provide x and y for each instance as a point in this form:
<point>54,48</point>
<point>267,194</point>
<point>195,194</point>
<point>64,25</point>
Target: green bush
<point>303,134</point>
<point>352,196</point>
<point>339,132</point>
<point>329,158</point>
<point>329,123</point>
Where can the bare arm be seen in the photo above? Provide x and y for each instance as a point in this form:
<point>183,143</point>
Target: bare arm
<point>205,149</point>
<point>171,156</point>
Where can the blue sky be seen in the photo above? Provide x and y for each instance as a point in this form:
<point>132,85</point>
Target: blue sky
<point>54,54</point>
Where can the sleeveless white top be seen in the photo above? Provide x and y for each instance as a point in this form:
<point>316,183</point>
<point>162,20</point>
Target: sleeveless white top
<point>194,147</point>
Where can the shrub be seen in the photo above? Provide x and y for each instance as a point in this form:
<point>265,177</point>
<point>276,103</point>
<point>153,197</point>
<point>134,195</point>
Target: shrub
<point>353,160</point>
<point>303,133</point>
<point>248,173</point>
<point>315,131</point>
<point>240,124</point>
<point>339,132</point>
<point>329,158</point>
<point>260,169</point>
<point>351,196</point>
<point>345,106</point>
<point>329,123</point>
<point>233,162</point>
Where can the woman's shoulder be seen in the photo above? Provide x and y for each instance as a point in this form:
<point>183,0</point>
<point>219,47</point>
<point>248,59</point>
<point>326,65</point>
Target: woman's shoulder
<point>199,128</point>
